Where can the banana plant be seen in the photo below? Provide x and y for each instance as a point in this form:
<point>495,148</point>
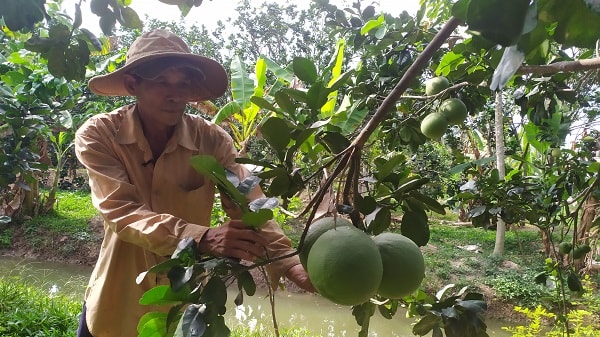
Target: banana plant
<point>241,115</point>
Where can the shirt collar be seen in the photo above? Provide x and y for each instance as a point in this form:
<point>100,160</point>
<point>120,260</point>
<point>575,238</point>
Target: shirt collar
<point>131,130</point>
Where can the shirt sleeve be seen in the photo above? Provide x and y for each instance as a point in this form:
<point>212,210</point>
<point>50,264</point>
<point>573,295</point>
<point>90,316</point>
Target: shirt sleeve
<point>279,244</point>
<point>119,201</point>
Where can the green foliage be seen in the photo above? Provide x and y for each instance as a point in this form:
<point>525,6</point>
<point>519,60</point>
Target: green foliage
<point>582,324</point>
<point>458,314</point>
<point>28,311</point>
<point>518,286</point>
<point>6,235</point>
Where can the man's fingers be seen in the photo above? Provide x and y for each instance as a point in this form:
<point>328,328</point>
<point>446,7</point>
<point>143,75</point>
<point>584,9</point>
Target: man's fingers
<point>234,239</point>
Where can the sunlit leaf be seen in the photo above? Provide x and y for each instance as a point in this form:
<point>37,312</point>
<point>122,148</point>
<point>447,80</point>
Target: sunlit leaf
<point>152,324</point>
<point>163,295</point>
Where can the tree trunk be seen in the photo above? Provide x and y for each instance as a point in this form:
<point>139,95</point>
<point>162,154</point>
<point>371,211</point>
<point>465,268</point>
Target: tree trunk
<point>588,215</point>
<point>499,131</point>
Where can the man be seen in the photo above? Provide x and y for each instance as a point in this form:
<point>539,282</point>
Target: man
<point>137,158</point>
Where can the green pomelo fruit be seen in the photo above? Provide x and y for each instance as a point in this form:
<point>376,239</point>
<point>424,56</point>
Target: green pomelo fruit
<point>454,110</point>
<point>434,125</point>
<point>580,251</point>
<point>345,267</point>
<point>403,265</point>
<point>565,247</point>
<point>316,229</point>
<point>435,85</point>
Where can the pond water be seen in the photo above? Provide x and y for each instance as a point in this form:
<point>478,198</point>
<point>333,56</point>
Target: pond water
<point>317,315</point>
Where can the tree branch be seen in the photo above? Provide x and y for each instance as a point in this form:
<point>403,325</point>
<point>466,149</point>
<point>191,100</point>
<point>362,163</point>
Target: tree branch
<point>411,73</point>
<point>564,66</point>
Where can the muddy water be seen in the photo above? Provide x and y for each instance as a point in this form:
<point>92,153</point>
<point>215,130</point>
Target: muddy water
<point>318,316</point>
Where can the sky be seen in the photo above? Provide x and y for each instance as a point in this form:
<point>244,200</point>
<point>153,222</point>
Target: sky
<point>211,11</point>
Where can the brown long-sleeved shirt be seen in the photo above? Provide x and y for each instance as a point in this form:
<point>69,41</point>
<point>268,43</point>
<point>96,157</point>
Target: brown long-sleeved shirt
<point>148,207</point>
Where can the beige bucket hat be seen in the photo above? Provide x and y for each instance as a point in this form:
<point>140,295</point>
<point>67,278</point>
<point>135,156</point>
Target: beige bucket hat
<point>157,45</point>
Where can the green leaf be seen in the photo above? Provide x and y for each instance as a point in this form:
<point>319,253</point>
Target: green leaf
<point>317,95</point>
<point>226,112</point>
<point>164,266</point>
<point>218,328</point>
<point>378,221</point>
<point>179,276</point>
<point>131,18</point>
<point>415,226</point>
<point>92,38</point>
<point>277,133</point>
<point>152,324</point>
<point>107,22</point>
<point>372,24</point>
<point>367,204</point>
<point>246,282</point>
<point>280,73</point>
<point>389,309</point>
<point>576,24</point>
<point>594,167</point>
<point>263,103</point>
<point>296,94</point>
<point>242,86</point>
<point>208,166</point>
<point>386,166</point>
<point>257,219</point>
<point>426,324</point>
<point>285,103</point>
<point>215,293</point>
<point>56,61</point>
<point>335,141</point>
<point>473,306</point>
<point>164,295</point>
<point>305,69</point>
<point>500,21</point>
<point>362,314</point>
<point>429,202</point>
<point>192,321</point>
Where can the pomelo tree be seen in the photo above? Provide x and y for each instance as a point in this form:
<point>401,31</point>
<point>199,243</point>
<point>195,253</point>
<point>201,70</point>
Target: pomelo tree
<point>341,109</point>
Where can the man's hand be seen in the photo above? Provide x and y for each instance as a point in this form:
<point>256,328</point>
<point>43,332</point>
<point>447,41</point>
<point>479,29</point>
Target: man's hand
<point>298,275</point>
<point>235,240</point>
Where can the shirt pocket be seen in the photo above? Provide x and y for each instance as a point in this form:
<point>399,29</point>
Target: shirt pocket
<point>189,204</point>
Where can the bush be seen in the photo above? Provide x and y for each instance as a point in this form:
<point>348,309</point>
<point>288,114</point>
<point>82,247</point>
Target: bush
<point>517,286</point>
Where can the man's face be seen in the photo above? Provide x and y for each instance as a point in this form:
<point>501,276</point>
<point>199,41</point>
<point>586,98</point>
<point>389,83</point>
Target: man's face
<point>162,100</point>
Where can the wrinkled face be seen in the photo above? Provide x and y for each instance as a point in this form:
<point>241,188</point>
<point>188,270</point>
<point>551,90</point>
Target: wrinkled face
<point>161,101</point>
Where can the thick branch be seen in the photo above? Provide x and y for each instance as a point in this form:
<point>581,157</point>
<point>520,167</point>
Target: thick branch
<point>411,73</point>
<point>564,66</point>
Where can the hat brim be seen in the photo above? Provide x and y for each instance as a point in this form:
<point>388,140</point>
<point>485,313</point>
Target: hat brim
<point>213,86</point>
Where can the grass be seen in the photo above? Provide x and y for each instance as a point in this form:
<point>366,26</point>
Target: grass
<point>71,214</point>
<point>25,310</point>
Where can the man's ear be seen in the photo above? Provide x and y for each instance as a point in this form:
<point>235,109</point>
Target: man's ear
<point>131,83</point>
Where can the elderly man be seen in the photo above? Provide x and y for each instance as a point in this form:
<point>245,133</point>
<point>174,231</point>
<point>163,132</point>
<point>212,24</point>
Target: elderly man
<point>137,158</point>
